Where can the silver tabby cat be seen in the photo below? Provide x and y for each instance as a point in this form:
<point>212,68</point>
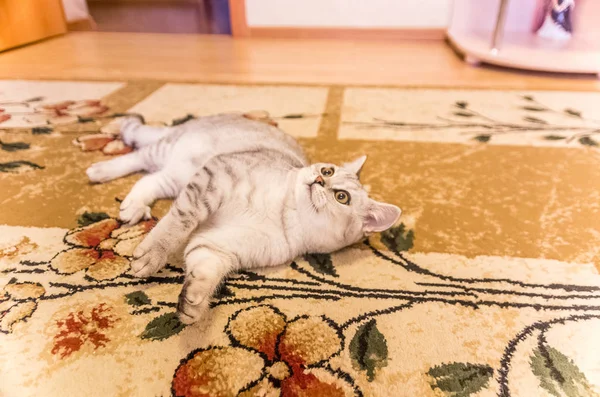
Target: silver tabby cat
<point>245,197</point>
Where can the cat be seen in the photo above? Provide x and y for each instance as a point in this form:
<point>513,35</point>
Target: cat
<point>245,197</point>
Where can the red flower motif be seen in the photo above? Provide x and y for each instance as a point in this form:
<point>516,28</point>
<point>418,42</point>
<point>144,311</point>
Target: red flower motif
<point>109,144</point>
<point>77,329</point>
<point>86,107</point>
<point>65,112</point>
<point>18,301</point>
<point>292,352</point>
<point>102,249</point>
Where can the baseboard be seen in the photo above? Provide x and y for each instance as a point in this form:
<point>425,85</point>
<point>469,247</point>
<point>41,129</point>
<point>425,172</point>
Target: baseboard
<point>348,33</point>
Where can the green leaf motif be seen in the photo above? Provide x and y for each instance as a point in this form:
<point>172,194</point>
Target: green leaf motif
<point>573,112</point>
<point>483,138</point>
<point>41,130</point>
<point>534,108</point>
<point>183,120</point>
<point>528,98</point>
<point>321,263</point>
<point>137,298</point>
<point>554,137</point>
<point>293,116</point>
<point>463,114</point>
<point>461,104</point>
<point>557,373</point>
<point>394,123</point>
<point>87,218</point>
<point>368,349</point>
<point>534,120</point>
<point>163,327</point>
<point>398,239</point>
<point>20,166</point>
<point>587,141</point>
<point>460,379</point>
<point>14,146</point>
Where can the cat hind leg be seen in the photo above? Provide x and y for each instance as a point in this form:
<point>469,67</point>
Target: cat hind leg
<point>205,270</point>
<point>137,135</point>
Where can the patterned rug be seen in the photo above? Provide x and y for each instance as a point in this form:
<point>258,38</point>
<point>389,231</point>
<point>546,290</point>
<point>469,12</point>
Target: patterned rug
<point>488,286</point>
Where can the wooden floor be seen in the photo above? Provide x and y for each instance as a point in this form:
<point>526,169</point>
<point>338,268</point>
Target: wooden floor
<point>117,56</point>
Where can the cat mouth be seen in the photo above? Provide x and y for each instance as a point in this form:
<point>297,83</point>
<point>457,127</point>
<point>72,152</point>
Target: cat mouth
<point>316,195</point>
<point>314,188</point>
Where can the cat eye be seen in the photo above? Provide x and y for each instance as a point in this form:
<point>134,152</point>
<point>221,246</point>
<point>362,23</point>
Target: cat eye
<point>342,196</point>
<point>327,171</point>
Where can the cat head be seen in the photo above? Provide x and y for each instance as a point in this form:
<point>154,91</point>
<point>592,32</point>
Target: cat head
<point>338,206</point>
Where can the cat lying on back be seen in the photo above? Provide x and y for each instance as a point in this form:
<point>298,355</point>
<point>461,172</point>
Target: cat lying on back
<point>245,197</point>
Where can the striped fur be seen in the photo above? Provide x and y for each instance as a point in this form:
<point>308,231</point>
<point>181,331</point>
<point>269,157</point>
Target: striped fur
<point>245,197</point>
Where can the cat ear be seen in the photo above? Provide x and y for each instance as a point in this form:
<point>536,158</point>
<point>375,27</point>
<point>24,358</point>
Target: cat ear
<point>356,165</point>
<point>381,216</point>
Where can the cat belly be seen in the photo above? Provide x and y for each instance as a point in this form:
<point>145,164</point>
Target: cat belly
<point>251,246</point>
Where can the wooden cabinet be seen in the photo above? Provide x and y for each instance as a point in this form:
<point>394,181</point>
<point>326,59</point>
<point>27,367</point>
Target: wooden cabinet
<point>26,21</point>
<point>161,16</point>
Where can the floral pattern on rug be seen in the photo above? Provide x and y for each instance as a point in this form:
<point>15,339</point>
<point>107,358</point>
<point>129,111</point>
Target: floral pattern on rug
<point>483,128</point>
<point>293,355</point>
<point>102,249</point>
<point>266,349</point>
<point>65,112</point>
<point>535,118</point>
<point>77,329</point>
<point>464,297</point>
<point>39,117</point>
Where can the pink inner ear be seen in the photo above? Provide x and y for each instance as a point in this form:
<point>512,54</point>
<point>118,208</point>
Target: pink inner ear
<point>381,217</point>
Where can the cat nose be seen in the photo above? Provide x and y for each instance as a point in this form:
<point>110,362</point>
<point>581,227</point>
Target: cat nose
<point>320,180</point>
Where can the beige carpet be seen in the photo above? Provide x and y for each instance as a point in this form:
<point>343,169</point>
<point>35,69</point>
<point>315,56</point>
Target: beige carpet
<point>489,286</point>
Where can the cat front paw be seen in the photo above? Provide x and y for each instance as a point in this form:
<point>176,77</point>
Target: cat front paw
<point>132,211</point>
<point>100,172</point>
<point>148,258</point>
<point>191,307</point>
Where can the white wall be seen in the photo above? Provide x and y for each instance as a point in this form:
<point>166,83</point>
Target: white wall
<point>349,13</point>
